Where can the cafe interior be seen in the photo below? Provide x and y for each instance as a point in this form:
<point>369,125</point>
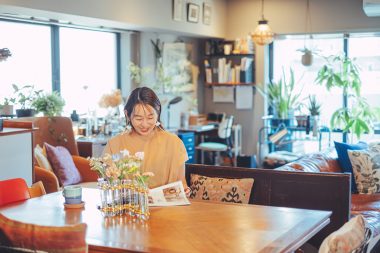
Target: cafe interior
<point>274,101</point>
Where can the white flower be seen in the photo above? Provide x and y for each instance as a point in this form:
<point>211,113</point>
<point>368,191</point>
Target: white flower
<point>125,152</point>
<point>140,155</point>
<point>148,173</point>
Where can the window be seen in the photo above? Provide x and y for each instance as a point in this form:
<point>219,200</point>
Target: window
<point>364,47</point>
<point>88,67</point>
<point>88,63</point>
<point>30,63</point>
<point>286,55</point>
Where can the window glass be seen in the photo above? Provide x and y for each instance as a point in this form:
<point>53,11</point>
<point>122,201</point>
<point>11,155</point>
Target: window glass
<point>30,63</point>
<point>366,50</point>
<point>287,54</point>
<point>88,68</point>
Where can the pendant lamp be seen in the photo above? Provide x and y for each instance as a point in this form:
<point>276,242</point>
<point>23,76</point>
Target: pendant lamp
<point>263,34</point>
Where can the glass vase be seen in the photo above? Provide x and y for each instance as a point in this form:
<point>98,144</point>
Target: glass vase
<point>143,203</point>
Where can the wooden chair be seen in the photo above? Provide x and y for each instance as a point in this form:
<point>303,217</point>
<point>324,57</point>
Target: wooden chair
<point>13,190</point>
<point>37,189</point>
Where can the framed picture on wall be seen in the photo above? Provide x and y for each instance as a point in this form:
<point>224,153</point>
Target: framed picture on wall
<point>193,13</point>
<point>206,14</point>
<point>177,10</point>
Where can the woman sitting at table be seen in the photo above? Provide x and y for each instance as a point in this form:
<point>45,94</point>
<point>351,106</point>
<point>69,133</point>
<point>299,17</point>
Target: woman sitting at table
<point>164,153</point>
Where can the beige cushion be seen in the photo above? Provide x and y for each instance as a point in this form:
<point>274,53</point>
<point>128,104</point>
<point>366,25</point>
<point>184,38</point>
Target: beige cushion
<point>351,236</point>
<point>40,155</point>
<point>220,189</point>
<point>366,168</point>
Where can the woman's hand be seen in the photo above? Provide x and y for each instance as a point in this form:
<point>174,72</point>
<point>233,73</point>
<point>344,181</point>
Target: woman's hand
<point>187,191</point>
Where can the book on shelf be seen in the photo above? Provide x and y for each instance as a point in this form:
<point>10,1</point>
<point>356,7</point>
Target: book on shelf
<point>208,75</point>
<point>246,75</point>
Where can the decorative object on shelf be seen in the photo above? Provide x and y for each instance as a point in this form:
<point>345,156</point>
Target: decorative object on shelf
<point>49,104</point>
<point>192,13</point>
<point>355,116</point>
<point>4,54</point>
<point>207,11</point>
<point>263,34</point>
<point>123,187</point>
<point>24,96</point>
<point>177,10</point>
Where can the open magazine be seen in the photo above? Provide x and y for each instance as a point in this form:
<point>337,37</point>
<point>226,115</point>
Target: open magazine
<point>172,194</point>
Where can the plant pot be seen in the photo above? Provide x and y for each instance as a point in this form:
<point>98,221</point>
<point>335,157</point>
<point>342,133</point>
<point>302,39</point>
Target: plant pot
<point>307,59</point>
<point>25,113</point>
<point>280,122</point>
<point>7,110</point>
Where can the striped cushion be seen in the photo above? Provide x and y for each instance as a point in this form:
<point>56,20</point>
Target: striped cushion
<point>66,239</point>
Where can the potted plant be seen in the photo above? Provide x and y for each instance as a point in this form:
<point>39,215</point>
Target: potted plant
<point>357,117</point>
<point>314,108</point>
<point>49,104</point>
<point>24,96</point>
<point>283,99</point>
<point>7,107</point>
<point>307,56</point>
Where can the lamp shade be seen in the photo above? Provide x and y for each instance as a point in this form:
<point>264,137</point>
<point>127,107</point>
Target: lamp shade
<point>263,34</point>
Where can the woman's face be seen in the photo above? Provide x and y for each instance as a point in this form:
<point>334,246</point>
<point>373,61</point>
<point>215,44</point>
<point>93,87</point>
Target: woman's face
<point>143,119</point>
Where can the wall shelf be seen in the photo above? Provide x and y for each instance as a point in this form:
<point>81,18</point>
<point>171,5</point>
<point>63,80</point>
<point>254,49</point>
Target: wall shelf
<point>229,84</point>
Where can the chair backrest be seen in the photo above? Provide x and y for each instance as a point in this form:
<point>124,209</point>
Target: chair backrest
<point>225,127</point>
<point>12,190</point>
<point>57,131</point>
<point>37,189</point>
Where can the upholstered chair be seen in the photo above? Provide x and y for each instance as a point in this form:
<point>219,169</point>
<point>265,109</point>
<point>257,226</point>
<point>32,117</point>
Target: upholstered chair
<point>58,131</point>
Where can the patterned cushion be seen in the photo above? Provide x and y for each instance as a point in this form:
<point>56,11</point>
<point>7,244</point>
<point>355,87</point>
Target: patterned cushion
<point>63,165</point>
<point>366,168</point>
<point>220,189</point>
<point>344,161</point>
<point>352,237</point>
<point>66,239</point>
<point>41,157</point>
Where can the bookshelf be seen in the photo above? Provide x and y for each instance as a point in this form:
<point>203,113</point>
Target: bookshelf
<point>229,70</point>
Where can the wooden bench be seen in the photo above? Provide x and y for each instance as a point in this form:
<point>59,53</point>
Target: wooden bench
<point>319,191</point>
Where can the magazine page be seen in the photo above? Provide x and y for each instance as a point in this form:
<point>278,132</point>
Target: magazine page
<point>172,194</point>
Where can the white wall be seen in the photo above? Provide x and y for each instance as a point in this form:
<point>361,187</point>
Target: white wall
<point>142,15</point>
<point>289,16</point>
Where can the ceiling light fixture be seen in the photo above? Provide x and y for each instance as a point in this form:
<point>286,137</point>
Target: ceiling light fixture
<point>263,34</point>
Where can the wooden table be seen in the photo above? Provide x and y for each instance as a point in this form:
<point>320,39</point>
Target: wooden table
<point>199,227</point>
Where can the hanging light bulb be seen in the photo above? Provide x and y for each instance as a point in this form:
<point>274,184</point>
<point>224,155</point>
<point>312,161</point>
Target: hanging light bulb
<point>263,34</point>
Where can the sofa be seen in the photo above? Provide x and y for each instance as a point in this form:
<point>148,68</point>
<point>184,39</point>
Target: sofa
<point>327,162</point>
<point>306,190</point>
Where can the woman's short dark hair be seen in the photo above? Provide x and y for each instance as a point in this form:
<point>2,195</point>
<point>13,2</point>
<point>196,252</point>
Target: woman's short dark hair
<point>143,96</point>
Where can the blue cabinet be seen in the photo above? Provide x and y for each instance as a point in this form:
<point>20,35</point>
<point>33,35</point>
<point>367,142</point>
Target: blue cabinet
<point>188,139</point>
